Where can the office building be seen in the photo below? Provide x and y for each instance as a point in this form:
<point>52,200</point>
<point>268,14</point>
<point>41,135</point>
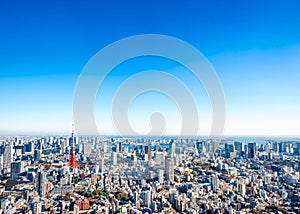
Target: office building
<point>251,150</point>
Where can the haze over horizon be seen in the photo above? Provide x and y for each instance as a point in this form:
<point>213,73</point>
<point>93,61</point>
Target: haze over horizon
<point>254,48</point>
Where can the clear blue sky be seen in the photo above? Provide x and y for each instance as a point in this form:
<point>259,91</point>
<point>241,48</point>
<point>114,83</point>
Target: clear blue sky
<point>253,45</point>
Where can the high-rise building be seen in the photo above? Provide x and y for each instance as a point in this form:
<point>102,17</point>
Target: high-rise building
<point>239,147</point>
<point>94,178</point>
<point>114,158</point>
<point>1,163</point>
<point>214,182</point>
<point>196,152</point>
<point>242,188</point>
<point>18,150</point>
<point>207,145</point>
<point>200,145</point>
<point>63,146</point>
<point>41,183</point>
<point>37,155</point>
<point>40,144</point>
<point>148,152</point>
<point>147,198</point>
<point>229,149</point>
<point>212,146</point>
<point>134,159</point>
<point>29,148</point>
<point>8,157</point>
<point>274,146</point>
<point>136,198</point>
<point>104,147</point>
<point>102,167</point>
<point>87,148</point>
<point>160,176</point>
<point>172,149</point>
<point>281,147</point>
<point>17,141</point>
<point>251,150</point>
<point>160,159</point>
<point>173,195</point>
<point>169,168</point>
<point>16,169</point>
<point>118,147</point>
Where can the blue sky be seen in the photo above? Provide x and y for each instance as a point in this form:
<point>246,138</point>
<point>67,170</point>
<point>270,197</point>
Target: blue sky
<point>254,47</point>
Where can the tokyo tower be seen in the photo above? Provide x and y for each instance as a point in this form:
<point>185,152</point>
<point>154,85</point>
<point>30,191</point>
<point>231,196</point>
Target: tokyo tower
<point>72,161</point>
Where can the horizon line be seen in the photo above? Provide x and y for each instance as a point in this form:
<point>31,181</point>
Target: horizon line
<point>62,134</point>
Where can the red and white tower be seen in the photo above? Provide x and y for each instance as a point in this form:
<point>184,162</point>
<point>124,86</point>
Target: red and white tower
<point>72,161</point>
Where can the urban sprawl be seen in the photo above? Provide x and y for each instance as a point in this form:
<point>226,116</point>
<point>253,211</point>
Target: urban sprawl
<point>85,174</point>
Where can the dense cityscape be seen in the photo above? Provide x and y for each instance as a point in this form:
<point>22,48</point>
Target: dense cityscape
<point>147,175</point>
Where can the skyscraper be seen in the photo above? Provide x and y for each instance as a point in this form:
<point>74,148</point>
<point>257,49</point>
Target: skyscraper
<point>229,149</point>
<point>160,176</point>
<point>87,148</point>
<point>251,150</point>
<point>160,158</point>
<point>172,148</point>
<point>1,163</point>
<point>274,146</point>
<point>114,158</point>
<point>280,147</point>
<point>37,155</point>
<point>242,188</point>
<point>148,152</point>
<point>41,183</point>
<point>200,145</point>
<point>169,168</point>
<point>118,147</point>
<point>16,169</point>
<point>102,167</point>
<point>214,182</point>
<point>136,198</point>
<point>212,146</point>
<point>239,147</point>
<point>8,157</point>
<point>147,198</point>
<point>104,147</point>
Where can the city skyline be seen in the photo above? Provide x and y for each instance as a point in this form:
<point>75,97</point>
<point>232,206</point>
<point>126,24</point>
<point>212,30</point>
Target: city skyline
<point>144,175</point>
<point>149,107</point>
<point>254,48</point>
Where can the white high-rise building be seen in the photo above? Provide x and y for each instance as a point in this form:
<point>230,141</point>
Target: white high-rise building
<point>160,158</point>
<point>102,167</point>
<point>242,188</point>
<point>169,168</point>
<point>63,146</point>
<point>8,157</point>
<point>1,162</point>
<point>173,149</point>
<point>136,198</point>
<point>160,176</point>
<point>87,148</point>
<point>114,158</point>
<point>104,147</point>
<point>214,182</point>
